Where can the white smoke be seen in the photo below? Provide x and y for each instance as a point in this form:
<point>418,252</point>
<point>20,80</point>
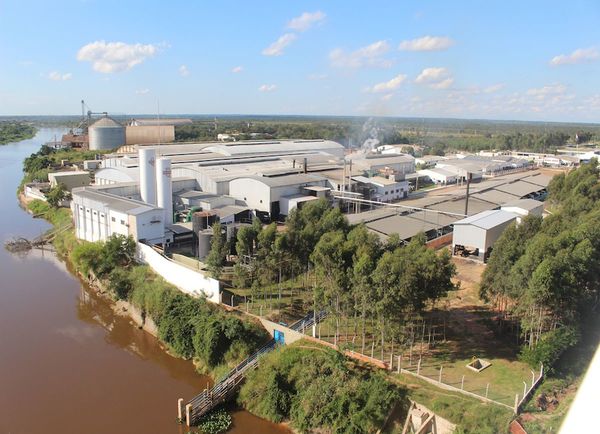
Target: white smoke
<point>372,133</point>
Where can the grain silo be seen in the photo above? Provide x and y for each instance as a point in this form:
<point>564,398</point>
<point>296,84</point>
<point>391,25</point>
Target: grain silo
<point>164,188</point>
<point>106,133</point>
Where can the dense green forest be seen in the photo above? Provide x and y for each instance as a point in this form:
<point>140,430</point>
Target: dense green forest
<point>431,136</point>
<point>380,286</point>
<point>544,274</point>
<point>11,131</point>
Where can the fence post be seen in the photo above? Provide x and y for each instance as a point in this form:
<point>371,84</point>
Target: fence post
<point>440,378</point>
<point>399,363</point>
<point>524,389</point>
<point>188,410</point>
<point>392,362</point>
<point>487,389</point>
<point>541,369</point>
<point>532,379</point>
<point>462,383</point>
<point>516,403</point>
<point>419,366</point>
<point>232,295</point>
<point>372,349</point>
<point>180,409</point>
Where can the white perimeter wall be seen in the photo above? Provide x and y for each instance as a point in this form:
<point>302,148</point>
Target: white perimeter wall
<point>188,281</point>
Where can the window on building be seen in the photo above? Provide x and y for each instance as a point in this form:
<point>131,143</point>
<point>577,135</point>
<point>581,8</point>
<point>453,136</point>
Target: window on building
<point>386,192</point>
<point>123,222</point>
<point>113,219</point>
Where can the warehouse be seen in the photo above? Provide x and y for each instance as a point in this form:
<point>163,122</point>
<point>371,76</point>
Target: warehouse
<point>475,236</point>
<point>524,207</point>
<point>439,176</point>
<point>373,163</point>
<point>382,189</point>
<point>263,194</point>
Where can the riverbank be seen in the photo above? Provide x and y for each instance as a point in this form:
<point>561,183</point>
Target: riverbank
<point>11,131</point>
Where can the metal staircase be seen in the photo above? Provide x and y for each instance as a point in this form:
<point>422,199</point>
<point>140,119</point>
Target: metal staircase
<point>226,387</point>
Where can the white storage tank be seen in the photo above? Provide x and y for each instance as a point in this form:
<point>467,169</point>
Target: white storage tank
<point>204,241</point>
<point>147,161</point>
<point>164,188</point>
<point>106,133</point>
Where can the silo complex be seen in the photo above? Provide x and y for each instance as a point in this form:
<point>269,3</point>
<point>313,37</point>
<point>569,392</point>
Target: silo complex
<point>164,190</point>
<point>106,133</point>
<point>147,163</point>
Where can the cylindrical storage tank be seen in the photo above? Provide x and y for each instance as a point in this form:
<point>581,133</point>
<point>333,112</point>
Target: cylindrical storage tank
<point>204,240</point>
<point>164,188</point>
<point>106,133</point>
<point>147,161</point>
<point>202,220</point>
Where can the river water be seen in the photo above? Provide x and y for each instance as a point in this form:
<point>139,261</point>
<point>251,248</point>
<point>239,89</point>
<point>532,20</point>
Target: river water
<point>68,364</point>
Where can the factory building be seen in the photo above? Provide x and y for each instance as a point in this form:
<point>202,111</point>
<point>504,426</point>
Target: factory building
<point>264,194</point>
<point>382,189</point>
<point>98,215</point>
<point>439,175</point>
<point>475,236</point>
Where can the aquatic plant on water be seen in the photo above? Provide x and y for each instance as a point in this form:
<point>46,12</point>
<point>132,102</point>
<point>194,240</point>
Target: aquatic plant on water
<point>215,422</point>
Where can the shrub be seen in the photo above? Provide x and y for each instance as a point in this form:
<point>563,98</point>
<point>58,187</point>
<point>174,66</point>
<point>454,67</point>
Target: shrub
<point>549,348</point>
<point>119,282</point>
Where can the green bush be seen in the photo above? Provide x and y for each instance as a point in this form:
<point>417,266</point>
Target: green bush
<point>550,347</point>
<point>119,282</point>
<point>314,388</point>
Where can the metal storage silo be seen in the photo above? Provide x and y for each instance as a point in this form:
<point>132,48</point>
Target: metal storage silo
<point>106,133</point>
<point>164,188</point>
<point>147,161</point>
<point>204,240</point>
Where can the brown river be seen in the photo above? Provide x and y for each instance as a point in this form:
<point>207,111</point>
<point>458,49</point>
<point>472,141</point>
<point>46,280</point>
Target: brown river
<point>68,364</point>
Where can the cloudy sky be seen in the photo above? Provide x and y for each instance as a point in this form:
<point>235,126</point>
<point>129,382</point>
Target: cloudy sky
<point>525,60</point>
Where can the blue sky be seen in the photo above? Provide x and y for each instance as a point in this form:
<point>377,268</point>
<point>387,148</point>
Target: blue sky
<point>525,60</point>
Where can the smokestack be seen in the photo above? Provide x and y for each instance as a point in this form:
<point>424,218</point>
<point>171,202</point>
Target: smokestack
<point>469,177</point>
<point>165,188</point>
<point>147,160</point>
<point>305,165</point>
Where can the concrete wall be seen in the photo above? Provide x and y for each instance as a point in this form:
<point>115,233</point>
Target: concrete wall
<point>494,233</point>
<point>135,135</point>
<point>290,336</point>
<point>469,235</point>
<point>69,179</point>
<point>252,191</point>
<point>190,282</point>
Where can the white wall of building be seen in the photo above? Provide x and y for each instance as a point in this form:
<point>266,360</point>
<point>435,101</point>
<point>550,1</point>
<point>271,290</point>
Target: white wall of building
<point>191,282</point>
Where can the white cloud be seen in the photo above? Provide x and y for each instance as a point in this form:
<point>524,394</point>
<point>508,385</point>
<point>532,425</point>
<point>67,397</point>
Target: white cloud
<point>387,97</point>
<point>494,88</point>
<point>317,76</point>
<point>110,57</point>
<point>544,92</point>
<point>427,43</point>
<point>277,47</point>
<point>267,88</point>
<point>57,76</point>
<point>371,55</point>
<point>184,71</point>
<point>142,91</point>
<point>305,21</point>
<point>435,78</point>
<point>429,75</point>
<point>237,69</point>
<point>580,55</point>
<point>389,85</point>
<point>444,84</point>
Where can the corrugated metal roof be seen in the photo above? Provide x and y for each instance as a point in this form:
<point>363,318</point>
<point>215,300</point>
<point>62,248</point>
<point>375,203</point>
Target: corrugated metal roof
<point>541,180</point>
<point>283,181</point>
<point>526,204</point>
<point>495,196</point>
<point>520,188</point>
<point>487,219</point>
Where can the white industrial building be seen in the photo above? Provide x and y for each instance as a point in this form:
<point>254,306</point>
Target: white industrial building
<point>475,236</point>
<point>439,175</point>
<point>384,189</point>
<point>524,207</point>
